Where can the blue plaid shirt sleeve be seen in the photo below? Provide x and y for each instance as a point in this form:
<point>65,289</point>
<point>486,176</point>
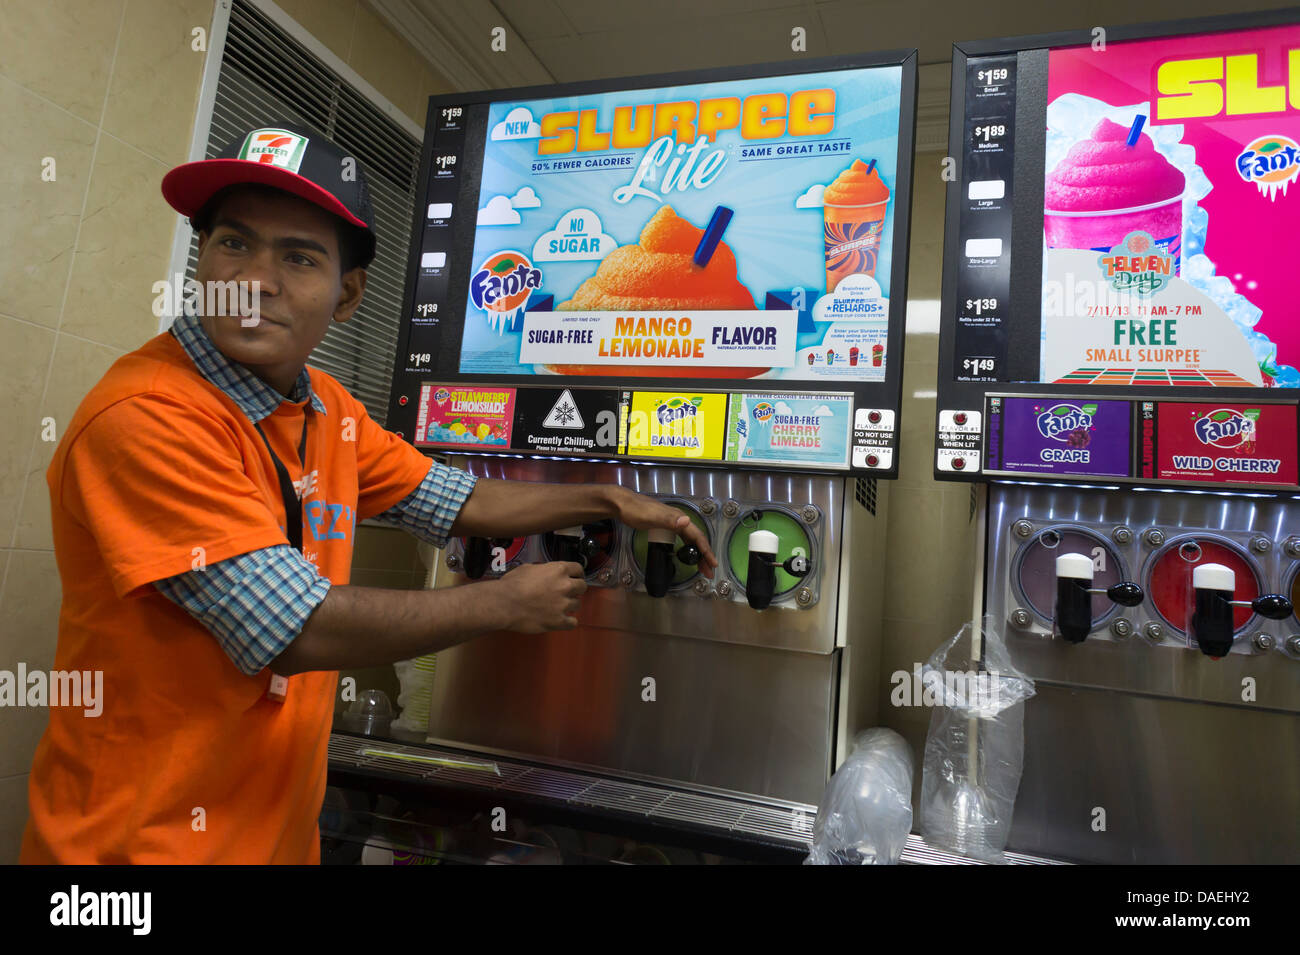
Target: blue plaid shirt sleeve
<point>429,511</point>
<point>254,604</point>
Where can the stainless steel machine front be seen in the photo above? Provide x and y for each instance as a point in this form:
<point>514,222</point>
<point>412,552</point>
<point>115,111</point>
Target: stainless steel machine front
<point>1138,746</point>
<point>694,687</point>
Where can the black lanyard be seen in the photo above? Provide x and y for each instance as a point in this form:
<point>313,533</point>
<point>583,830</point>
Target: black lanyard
<point>292,501</point>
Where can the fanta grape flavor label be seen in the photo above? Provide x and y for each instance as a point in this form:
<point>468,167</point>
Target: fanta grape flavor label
<point>456,416</point>
<point>789,429</point>
<point>1169,212</point>
<point>676,424</point>
<point>1064,437</point>
<point>1226,443</point>
<point>738,229</point>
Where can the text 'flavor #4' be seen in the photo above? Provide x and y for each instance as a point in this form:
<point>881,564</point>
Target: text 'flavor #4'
<point>1170,245</point>
<point>737,229</point>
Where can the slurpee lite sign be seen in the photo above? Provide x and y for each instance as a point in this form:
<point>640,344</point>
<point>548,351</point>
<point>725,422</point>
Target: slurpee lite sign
<point>1226,443</point>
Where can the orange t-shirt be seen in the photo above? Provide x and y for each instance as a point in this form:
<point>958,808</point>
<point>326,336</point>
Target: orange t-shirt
<point>189,761</point>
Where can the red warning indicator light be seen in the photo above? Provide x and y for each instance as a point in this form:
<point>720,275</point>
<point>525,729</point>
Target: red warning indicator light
<point>402,400</point>
<point>872,460</point>
<point>959,418</point>
<point>958,464</point>
<point>874,417</point>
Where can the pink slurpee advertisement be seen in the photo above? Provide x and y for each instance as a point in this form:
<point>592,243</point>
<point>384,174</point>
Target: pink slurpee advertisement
<point>1170,239</point>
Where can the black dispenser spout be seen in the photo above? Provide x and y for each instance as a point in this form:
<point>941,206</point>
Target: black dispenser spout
<point>760,583</point>
<point>574,544</point>
<point>659,567</point>
<point>478,555</point>
<point>1213,627</point>
<point>1074,592</point>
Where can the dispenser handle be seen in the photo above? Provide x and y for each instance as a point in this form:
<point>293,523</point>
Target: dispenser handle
<point>1272,606</point>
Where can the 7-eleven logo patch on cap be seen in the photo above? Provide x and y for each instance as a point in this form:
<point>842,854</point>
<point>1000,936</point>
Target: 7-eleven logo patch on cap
<point>276,147</point>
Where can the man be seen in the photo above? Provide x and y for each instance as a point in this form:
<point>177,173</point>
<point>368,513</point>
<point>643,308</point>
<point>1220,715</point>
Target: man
<point>204,499</point>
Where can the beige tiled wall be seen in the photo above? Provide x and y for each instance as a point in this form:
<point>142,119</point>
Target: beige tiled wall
<point>358,37</point>
<point>929,580</point>
<point>383,557</point>
<point>108,89</point>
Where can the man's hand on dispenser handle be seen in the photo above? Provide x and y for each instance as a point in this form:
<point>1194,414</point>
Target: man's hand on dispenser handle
<point>643,513</point>
<point>537,598</point>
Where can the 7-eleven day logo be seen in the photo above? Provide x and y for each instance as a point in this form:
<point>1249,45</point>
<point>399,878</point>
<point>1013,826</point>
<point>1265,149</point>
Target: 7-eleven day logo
<point>276,147</point>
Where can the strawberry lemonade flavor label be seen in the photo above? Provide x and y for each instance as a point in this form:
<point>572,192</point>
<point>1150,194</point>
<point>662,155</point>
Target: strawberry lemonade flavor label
<point>454,416</point>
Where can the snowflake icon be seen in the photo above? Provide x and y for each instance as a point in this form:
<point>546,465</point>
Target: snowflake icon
<point>564,413</point>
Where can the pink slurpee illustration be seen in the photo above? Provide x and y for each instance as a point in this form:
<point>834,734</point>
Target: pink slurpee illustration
<point>1104,189</point>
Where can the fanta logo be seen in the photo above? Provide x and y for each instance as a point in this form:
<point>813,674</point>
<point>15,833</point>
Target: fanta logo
<point>1066,422</point>
<point>1271,163</point>
<point>503,282</point>
<point>1227,428</point>
<point>441,396</point>
<point>675,409</point>
<point>1138,265</point>
<point>763,411</point>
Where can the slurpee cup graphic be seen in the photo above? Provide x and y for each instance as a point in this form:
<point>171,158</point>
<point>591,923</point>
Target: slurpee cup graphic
<point>853,355</point>
<point>1111,185</point>
<point>830,356</point>
<point>811,358</point>
<point>877,355</point>
<point>854,212</point>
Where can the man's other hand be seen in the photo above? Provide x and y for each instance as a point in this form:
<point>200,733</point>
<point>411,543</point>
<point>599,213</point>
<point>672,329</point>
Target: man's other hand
<point>643,513</point>
<point>543,597</point>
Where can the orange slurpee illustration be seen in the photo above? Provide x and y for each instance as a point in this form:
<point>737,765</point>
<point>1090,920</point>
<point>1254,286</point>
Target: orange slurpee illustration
<point>658,274</point>
<point>854,211</point>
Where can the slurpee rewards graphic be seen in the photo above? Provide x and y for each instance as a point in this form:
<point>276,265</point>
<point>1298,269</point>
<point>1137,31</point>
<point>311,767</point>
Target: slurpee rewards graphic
<point>1065,437</point>
<point>672,424</point>
<point>1169,239</point>
<point>1229,443</point>
<point>789,429</point>
<point>459,416</point>
<point>738,229</point>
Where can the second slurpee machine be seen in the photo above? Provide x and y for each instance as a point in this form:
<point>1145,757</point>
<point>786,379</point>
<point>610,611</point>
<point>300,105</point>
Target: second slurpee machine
<point>691,285</point>
<point>1117,368</point>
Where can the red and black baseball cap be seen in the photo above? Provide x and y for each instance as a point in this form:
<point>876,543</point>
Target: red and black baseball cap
<point>284,156</point>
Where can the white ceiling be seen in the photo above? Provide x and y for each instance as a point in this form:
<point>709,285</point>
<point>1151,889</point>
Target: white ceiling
<point>560,41</point>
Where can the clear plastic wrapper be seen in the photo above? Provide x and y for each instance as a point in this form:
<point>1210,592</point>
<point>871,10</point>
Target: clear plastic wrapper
<point>974,749</point>
<point>866,813</point>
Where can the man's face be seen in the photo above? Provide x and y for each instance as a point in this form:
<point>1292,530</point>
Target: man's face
<point>290,247</point>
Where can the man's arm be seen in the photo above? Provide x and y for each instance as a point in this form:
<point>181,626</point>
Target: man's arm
<point>270,608</point>
<point>518,508</point>
<point>366,626</point>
